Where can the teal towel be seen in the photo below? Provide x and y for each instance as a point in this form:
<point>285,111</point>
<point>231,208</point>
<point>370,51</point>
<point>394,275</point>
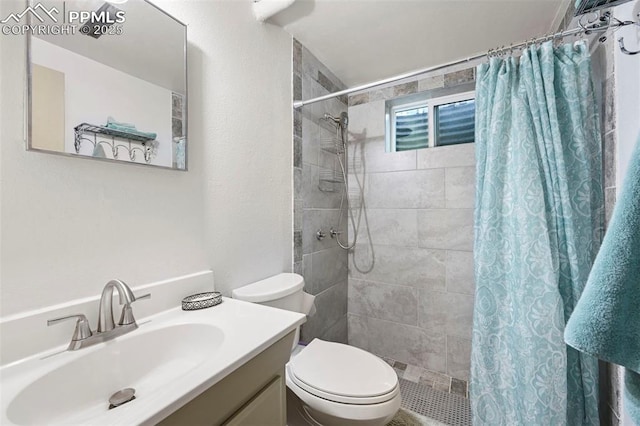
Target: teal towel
<point>589,4</point>
<point>98,151</point>
<point>113,122</point>
<point>133,131</point>
<point>128,128</point>
<point>606,320</point>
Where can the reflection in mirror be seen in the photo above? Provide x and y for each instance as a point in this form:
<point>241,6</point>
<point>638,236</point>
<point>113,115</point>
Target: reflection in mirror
<point>112,86</point>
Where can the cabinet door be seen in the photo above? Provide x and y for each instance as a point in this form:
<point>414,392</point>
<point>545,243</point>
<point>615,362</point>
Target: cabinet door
<point>267,407</point>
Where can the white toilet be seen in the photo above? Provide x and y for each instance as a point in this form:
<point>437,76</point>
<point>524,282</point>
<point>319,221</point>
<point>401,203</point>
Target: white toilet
<point>335,384</point>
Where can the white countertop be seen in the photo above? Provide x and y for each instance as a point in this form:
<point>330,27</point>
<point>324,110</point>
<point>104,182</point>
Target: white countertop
<point>246,330</point>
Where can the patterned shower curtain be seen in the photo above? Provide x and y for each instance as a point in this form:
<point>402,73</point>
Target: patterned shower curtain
<point>538,226</point>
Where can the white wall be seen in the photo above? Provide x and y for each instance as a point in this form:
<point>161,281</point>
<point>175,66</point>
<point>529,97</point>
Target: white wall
<point>67,225</point>
<point>627,88</point>
<point>94,92</point>
<point>240,113</point>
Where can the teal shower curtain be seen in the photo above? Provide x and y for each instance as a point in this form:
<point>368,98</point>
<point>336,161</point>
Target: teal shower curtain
<point>538,225</point>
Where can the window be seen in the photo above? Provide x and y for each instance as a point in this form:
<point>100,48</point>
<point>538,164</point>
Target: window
<point>447,120</point>
<point>411,126</point>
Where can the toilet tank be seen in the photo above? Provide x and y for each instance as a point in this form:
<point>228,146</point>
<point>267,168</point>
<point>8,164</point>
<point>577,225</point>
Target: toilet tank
<point>282,291</point>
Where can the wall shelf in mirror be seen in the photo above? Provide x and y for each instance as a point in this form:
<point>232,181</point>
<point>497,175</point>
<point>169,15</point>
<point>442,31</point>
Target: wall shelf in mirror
<point>93,134</point>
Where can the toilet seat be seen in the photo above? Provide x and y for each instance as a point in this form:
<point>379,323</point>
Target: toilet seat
<point>343,374</point>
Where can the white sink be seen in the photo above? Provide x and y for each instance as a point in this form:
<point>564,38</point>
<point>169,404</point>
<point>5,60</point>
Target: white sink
<point>80,388</point>
<point>169,360</point>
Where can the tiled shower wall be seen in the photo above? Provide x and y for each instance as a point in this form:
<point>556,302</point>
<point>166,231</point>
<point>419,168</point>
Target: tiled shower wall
<point>411,279</point>
<point>317,203</point>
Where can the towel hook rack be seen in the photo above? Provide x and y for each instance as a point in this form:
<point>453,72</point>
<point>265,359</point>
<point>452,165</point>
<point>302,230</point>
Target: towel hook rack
<point>115,140</point>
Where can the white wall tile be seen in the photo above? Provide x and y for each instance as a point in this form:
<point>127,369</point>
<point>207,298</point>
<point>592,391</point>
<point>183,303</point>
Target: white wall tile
<point>376,159</point>
<point>410,189</point>
<point>367,120</point>
<point>328,267</point>
<point>460,187</point>
<point>415,346</point>
<point>319,219</point>
<point>338,332</point>
<point>397,227</point>
<point>458,357</point>
<point>448,312</point>
<point>410,266</point>
<point>331,306</point>
<point>447,156</point>
<point>450,229</point>
<point>358,331</point>
<point>383,301</point>
<point>310,137</point>
<point>313,195</point>
<point>460,274</point>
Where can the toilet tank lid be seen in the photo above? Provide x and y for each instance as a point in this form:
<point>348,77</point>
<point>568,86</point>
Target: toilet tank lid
<point>271,288</point>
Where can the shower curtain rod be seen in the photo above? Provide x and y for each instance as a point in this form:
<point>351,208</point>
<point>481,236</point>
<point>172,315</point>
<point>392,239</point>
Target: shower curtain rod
<point>601,24</point>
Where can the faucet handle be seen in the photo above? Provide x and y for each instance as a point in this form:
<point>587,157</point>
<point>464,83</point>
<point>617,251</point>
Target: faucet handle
<point>334,233</point>
<point>144,296</point>
<point>127,317</point>
<point>82,331</point>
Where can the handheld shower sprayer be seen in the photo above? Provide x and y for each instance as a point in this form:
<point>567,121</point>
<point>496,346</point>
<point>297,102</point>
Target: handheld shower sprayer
<point>340,149</point>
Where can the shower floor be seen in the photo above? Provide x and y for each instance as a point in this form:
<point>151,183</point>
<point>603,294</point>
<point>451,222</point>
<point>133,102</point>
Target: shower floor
<point>447,408</point>
<point>432,394</point>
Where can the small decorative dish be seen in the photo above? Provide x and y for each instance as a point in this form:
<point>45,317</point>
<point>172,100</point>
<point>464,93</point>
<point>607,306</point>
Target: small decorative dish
<point>201,301</point>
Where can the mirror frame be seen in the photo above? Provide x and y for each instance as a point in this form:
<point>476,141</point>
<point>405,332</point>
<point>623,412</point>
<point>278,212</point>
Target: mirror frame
<point>28,103</point>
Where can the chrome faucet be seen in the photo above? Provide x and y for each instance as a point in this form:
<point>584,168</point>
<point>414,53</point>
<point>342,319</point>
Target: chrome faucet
<point>105,314</point>
<point>107,329</point>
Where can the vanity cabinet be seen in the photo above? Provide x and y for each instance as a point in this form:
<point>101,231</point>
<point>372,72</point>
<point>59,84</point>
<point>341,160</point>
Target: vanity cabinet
<point>267,404</point>
<point>254,394</point>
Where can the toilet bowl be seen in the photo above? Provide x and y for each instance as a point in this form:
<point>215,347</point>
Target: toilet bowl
<point>331,383</point>
<point>341,385</point>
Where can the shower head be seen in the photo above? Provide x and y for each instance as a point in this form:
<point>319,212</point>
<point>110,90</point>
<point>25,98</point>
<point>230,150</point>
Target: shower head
<point>330,117</point>
<point>343,120</point>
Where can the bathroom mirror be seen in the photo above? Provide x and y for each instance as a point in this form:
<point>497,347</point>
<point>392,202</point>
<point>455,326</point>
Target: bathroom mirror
<point>107,80</point>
